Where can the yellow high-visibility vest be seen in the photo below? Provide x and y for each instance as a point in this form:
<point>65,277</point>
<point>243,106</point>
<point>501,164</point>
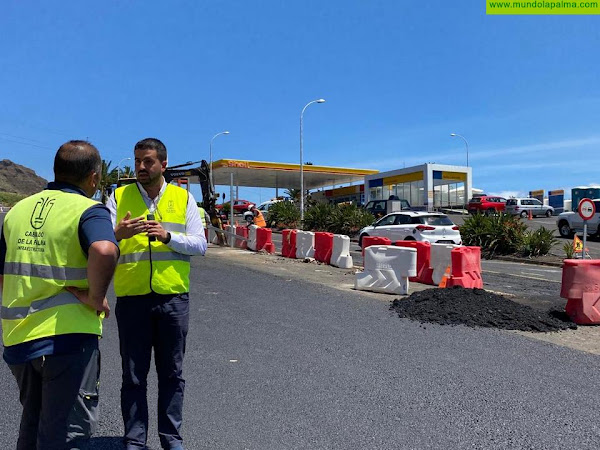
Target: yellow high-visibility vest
<point>43,256</point>
<point>151,266</point>
<point>202,213</point>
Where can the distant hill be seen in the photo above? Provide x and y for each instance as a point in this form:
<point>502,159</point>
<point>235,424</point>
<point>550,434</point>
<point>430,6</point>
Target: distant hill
<point>18,179</point>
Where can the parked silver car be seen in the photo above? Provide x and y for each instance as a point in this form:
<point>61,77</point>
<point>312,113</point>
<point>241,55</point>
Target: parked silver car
<point>570,222</point>
<point>522,206</point>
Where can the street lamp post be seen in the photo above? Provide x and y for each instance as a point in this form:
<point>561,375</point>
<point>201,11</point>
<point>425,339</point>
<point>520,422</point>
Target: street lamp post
<point>466,144</point>
<point>465,186</point>
<point>302,159</point>
<point>210,156</point>
<point>119,165</point>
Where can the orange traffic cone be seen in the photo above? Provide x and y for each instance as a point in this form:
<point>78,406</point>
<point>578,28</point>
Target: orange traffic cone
<point>530,215</point>
<point>445,278</point>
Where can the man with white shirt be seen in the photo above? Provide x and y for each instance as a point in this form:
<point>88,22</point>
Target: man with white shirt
<point>158,228</point>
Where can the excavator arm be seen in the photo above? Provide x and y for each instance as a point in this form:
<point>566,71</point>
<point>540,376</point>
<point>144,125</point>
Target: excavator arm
<point>209,199</point>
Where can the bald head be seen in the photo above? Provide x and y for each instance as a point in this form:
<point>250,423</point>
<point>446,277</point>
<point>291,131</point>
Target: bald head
<point>75,161</point>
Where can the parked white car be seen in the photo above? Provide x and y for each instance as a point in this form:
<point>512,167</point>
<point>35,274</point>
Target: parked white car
<point>263,208</point>
<point>570,222</point>
<point>522,206</point>
<point>414,226</point>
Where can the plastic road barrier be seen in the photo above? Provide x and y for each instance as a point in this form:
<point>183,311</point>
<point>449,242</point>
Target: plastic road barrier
<point>305,244</point>
<point>252,237</point>
<point>387,269</point>
<point>288,243</point>
<point>466,267</point>
<point>242,232</point>
<point>340,253</point>
<point>440,259</point>
<point>263,240</point>
<point>424,270</point>
<point>323,246</point>
<point>581,287</point>
<point>374,240</point>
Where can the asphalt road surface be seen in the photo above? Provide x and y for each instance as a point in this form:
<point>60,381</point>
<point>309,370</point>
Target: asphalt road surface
<point>280,363</point>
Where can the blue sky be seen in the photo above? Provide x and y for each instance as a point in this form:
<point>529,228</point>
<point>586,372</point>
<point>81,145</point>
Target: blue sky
<point>399,76</point>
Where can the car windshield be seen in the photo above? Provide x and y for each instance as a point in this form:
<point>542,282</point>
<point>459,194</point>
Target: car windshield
<point>475,200</point>
<point>436,220</point>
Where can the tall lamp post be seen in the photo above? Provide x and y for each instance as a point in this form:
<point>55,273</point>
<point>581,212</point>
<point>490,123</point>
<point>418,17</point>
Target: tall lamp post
<point>466,144</point>
<point>119,165</point>
<point>302,159</point>
<point>210,156</point>
<point>465,186</point>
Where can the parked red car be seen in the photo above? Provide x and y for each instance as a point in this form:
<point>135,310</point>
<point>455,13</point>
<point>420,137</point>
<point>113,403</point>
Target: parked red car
<point>239,206</point>
<point>486,204</point>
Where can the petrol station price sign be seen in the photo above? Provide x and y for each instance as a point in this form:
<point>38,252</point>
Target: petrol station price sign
<point>587,209</point>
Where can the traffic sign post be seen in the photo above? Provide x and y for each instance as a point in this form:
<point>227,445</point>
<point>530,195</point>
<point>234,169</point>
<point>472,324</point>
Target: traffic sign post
<point>586,210</point>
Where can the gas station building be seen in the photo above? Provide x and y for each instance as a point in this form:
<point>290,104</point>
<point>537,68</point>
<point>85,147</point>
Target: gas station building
<point>427,187</point>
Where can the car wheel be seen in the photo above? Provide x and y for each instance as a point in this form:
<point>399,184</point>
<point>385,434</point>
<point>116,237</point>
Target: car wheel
<point>564,229</point>
<point>360,238</point>
<point>548,213</point>
<point>409,238</point>
<point>524,214</point>
<point>490,212</point>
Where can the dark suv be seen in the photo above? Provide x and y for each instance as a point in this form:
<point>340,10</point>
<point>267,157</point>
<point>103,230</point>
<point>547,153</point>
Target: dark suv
<point>486,204</point>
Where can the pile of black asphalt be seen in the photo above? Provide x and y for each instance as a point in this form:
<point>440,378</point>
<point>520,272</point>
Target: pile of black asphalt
<point>477,308</point>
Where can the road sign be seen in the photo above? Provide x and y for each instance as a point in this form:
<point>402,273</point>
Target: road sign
<point>587,209</point>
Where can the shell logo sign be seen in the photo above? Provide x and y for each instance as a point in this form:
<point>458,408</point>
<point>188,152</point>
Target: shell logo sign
<point>236,164</point>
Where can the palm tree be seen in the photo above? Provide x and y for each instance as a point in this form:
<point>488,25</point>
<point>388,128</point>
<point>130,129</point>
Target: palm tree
<point>294,194</point>
<point>127,172</point>
<point>107,179</point>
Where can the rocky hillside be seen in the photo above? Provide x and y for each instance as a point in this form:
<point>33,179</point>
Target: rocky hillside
<point>19,179</point>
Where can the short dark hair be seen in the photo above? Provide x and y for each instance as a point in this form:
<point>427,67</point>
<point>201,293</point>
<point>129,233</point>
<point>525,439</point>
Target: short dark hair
<point>153,144</point>
<point>75,160</point>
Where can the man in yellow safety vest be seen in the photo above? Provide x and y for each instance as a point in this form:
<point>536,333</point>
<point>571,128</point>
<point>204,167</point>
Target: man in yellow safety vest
<point>57,256</point>
<point>158,228</point>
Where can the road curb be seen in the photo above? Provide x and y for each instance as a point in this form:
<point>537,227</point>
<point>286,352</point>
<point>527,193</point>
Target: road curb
<point>527,261</point>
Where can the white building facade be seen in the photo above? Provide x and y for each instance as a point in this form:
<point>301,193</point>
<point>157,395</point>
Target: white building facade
<point>427,187</point>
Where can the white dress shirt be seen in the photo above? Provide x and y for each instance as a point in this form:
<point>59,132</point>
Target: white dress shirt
<point>192,242</point>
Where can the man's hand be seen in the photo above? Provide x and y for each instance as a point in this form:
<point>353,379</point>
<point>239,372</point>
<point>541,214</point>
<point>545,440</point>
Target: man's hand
<point>83,295</point>
<point>129,227</point>
<point>155,229</point>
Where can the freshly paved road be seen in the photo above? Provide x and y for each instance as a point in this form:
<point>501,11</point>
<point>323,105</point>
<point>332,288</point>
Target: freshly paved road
<point>279,363</point>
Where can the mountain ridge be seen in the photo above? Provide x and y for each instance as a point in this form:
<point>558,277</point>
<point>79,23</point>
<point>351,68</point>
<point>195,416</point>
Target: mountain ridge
<point>18,179</point>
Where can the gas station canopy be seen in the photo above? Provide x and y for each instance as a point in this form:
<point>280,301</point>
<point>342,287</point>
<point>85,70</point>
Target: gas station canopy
<point>283,175</point>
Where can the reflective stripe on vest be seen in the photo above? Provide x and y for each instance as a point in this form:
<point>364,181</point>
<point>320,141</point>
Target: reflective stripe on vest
<point>20,312</point>
<point>41,271</point>
<point>43,256</point>
<point>151,266</point>
<point>146,256</point>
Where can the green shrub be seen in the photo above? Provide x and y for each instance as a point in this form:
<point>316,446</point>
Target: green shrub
<point>339,219</point>
<point>538,242</point>
<point>319,217</point>
<point>349,219</point>
<point>569,250</point>
<point>496,234</point>
<point>10,198</point>
<point>282,215</point>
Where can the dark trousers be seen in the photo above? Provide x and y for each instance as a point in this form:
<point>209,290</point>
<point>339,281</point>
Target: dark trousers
<point>147,322</point>
<point>59,394</point>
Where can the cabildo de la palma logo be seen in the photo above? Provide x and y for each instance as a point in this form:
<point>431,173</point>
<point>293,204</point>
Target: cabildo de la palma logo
<point>40,212</point>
